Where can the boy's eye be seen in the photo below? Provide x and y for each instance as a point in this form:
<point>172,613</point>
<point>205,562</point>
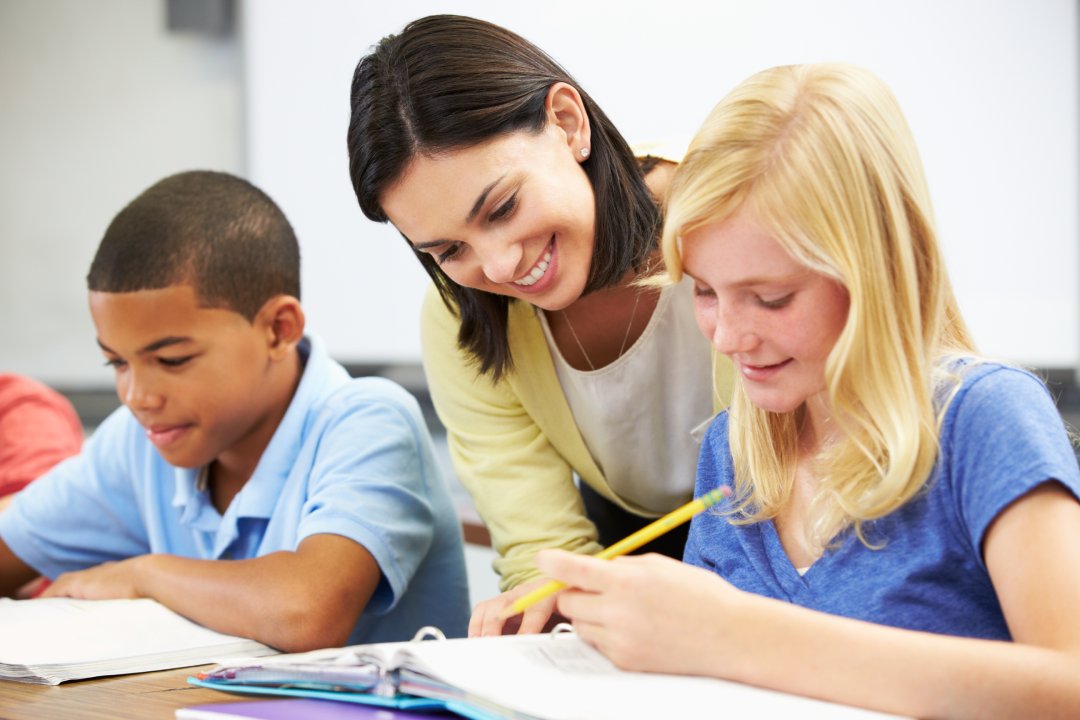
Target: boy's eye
<point>114,363</point>
<point>504,210</point>
<point>175,362</point>
<point>777,303</point>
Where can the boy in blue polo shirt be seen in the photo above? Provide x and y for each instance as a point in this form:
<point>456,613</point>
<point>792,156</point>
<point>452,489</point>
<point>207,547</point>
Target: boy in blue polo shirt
<point>247,483</point>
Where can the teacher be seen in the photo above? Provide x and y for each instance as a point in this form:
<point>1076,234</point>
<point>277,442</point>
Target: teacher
<point>569,390</point>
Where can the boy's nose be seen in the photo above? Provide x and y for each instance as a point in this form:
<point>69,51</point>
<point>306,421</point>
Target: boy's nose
<point>138,394</point>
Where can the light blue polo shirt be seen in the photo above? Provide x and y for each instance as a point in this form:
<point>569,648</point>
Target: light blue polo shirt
<point>351,457</point>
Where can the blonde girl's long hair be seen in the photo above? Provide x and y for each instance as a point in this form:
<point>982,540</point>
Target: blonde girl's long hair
<point>821,157</point>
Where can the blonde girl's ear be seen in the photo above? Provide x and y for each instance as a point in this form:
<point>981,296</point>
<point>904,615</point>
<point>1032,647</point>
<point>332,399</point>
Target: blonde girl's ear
<point>566,111</point>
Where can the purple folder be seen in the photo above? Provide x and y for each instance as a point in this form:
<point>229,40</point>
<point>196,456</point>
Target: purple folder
<point>294,708</point>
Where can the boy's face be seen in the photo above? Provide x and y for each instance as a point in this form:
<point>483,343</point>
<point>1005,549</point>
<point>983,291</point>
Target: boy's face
<point>191,375</point>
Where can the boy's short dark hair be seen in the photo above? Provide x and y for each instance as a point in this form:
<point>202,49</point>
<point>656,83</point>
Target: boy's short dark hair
<point>211,230</point>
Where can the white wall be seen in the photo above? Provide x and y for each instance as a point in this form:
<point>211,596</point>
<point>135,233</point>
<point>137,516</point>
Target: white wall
<point>97,102</point>
<point>990,88</point>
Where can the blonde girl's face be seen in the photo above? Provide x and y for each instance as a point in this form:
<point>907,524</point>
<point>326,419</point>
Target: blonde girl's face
<point>774,317</point>
<point>513,216</point>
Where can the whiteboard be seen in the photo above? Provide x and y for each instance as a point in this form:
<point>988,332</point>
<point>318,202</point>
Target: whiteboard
<point>990,88</point>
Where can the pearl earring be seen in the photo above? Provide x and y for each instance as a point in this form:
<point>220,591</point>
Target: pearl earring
<point>584,152</point>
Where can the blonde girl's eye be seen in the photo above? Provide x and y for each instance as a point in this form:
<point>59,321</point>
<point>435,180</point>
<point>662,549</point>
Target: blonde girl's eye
<point>702,290</point>
<point>776,303</point>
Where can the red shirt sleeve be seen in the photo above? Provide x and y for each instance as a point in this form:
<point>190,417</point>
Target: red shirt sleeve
<point>38,428</point>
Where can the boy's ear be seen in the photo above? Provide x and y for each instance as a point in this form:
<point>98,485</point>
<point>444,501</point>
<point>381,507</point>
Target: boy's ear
<point>282,319</point>
<point>566,110</point>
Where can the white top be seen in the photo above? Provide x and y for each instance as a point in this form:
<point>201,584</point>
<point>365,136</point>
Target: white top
<point>637,415</point>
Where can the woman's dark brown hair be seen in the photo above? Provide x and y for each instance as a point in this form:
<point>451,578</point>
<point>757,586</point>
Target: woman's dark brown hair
<point>447,82</point>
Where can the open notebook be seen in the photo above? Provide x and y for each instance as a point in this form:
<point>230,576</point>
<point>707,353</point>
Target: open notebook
<point>550,677</point>
<point>52,640</point>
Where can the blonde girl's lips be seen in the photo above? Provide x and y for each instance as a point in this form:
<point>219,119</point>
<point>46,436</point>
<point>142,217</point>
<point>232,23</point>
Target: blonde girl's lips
<point>541,273</point>
<point>761,373</point>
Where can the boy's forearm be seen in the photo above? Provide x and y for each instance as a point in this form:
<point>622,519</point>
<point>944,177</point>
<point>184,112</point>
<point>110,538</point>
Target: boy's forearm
<point>14,573</point>
<point>278,599</point>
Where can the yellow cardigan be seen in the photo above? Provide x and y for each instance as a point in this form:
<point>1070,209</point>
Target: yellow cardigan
<point>514,444</point>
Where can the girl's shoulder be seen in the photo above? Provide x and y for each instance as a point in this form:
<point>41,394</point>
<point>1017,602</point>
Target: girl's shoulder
<point>983,385</point>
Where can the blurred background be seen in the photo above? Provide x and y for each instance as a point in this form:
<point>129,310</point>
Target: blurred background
<point>100,99</point>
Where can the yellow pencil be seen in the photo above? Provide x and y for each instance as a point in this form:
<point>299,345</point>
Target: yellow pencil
<point>632,542</point>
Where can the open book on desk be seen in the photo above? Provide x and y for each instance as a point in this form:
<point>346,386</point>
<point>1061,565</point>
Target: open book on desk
<point>52,640</point>
<point>525,677</point>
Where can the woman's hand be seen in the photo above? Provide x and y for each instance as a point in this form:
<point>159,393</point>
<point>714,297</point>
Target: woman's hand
<point>486,618</point>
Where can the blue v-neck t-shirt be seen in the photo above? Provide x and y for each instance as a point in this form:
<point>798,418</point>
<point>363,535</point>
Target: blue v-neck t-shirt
<point>1001,437</point>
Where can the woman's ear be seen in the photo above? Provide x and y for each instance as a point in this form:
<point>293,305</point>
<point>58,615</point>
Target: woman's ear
<point>566,111</point>
<point>282,319</point>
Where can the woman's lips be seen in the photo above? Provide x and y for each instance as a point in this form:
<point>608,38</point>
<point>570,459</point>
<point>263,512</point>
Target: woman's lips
<point>542,274</point>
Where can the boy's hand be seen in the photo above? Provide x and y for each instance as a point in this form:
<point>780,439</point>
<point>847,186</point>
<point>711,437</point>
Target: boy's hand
<point>107,581</point>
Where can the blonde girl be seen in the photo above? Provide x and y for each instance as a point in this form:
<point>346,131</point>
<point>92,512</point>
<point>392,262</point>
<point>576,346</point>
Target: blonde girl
<point>904,533</point>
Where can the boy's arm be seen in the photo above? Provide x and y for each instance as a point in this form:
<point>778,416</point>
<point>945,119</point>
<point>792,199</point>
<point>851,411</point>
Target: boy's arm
<point>14,573</point>
<point>293,601</point>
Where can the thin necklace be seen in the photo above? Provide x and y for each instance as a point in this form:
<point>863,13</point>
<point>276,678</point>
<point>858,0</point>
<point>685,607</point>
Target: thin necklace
<point>626,335</point>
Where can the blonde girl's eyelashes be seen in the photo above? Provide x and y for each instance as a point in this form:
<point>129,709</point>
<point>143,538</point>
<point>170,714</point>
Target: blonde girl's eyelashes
<point>777,303</point>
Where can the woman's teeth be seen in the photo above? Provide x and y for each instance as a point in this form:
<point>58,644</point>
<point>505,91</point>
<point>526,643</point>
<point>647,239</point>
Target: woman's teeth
<point>537,272</point>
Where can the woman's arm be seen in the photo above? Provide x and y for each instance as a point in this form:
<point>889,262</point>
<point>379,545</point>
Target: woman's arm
<point>521,486</point>
<point>652,614</point>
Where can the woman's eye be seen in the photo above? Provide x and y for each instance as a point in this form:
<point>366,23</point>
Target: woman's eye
<point>777,303</point>
<point>447,254</point>
<point>114,363</point>
<point>504,210</point>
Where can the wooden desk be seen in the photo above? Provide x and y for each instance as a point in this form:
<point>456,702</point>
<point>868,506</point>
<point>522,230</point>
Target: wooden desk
<point>147,696</point>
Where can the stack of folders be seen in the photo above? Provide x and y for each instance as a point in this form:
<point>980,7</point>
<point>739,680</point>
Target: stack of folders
<point>545,677</point>
<point>52,640</point>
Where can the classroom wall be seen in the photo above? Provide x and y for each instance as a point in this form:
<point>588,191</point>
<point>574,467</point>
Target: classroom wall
<point>990,88</point>
<point>99,101</point>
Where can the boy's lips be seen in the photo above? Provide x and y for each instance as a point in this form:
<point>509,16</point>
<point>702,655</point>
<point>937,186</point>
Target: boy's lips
<point>164,435</point>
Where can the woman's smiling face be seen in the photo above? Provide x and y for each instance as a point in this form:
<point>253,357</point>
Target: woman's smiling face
<point>514,216</point>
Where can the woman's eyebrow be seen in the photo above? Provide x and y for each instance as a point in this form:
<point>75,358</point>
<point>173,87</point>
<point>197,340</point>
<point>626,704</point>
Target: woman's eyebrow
<point>481,200</point>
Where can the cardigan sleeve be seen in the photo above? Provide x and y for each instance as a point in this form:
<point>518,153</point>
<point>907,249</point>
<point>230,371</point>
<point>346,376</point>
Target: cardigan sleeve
<point>522,487</point>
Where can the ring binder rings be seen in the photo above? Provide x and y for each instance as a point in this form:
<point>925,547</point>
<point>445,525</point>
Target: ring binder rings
<point>555,676</point>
